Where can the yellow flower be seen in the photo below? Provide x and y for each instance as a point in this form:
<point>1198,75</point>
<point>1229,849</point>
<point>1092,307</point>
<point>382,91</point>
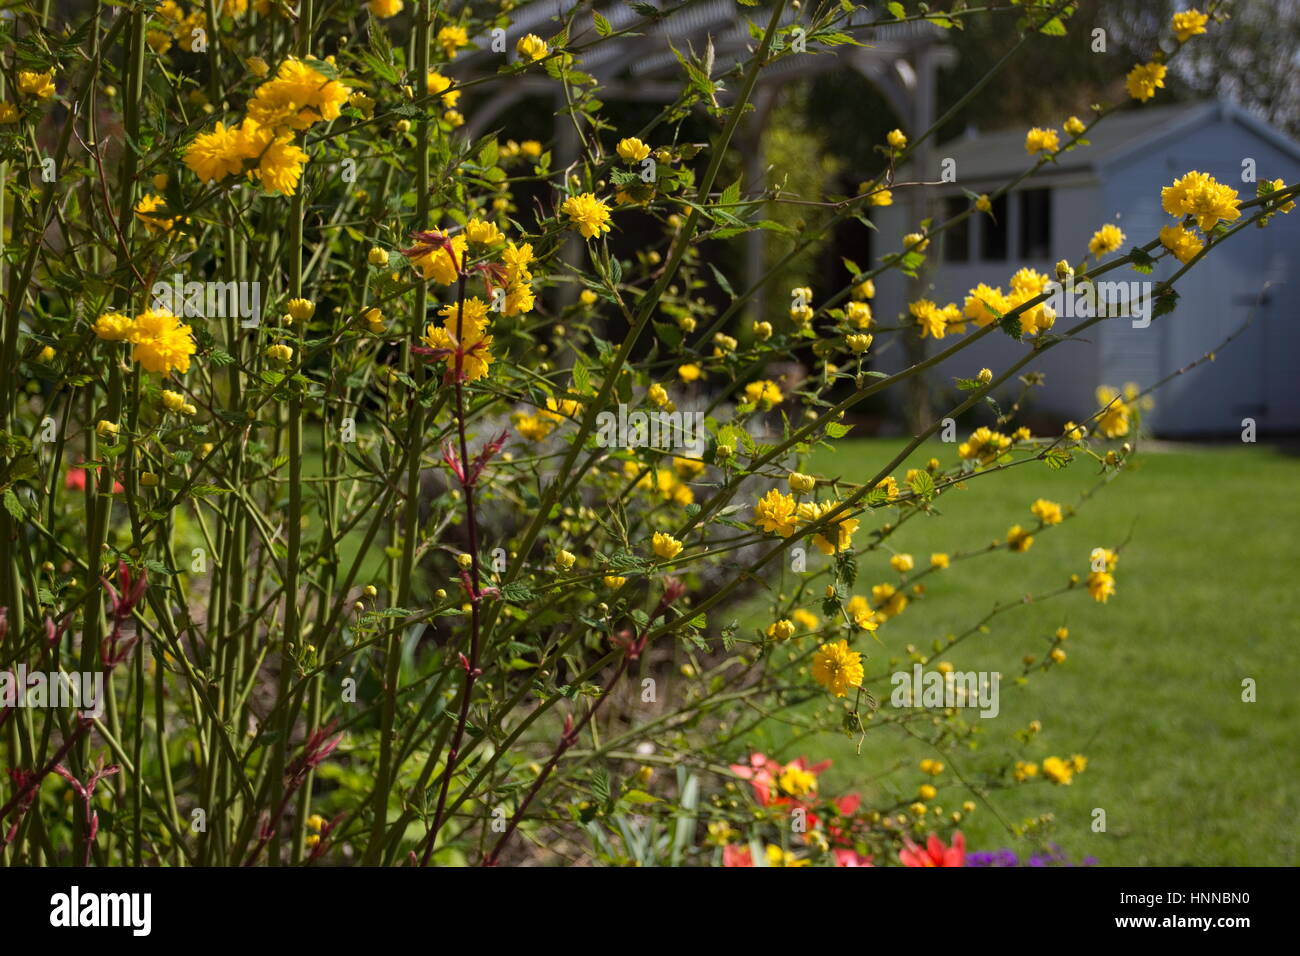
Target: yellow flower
<point>377,257</point>
<point>280,353</point>
<point>587,297</point>
<point>1078,763</point>
<point>882,197</point>
<point>889,601</point>
<point>145,211</point>
<point>297,97</point>
<point>113,327</point>
<point>781,630</point>
<point>1018,539</point>
<point>1114,421</point>
<point>775,513</point>
<point>859,313</point>
<point>926,791</point>
<point>632,150</point>
<point>564,560</point>
<point>1048,512</point>
<point>902,563</point>
<point>983,203</point>
<point>837,668</point>
<point>8,113</point>
<point>257,66</point>
<point>1277,184</point>
<point>439,263</point>
<point>435,83</point>
<point>280,162</point>
<point>531,47</point>
<point>471,344</point>
<point>980,303</point>
<point>161,343</point>
<point>890,486</point>
<point>451,38</point>
<point>896,139</point>
<point>762,331</point>
<point>106,430</point>
<point>301,309</point>
<point>614,581</point>
<point>939,560</point>
<point>215,155</point>
<point>1200,195</point>
<point>800,483</point>
<point>40,85</point>
<point>658,395</point>
<point>1058,771</point>
<point>779,857</point>
<point>858,343</point>
<point>1023,771</point>
<point>587,213</point>
<point>764,393</point>
<point>173,401</point>
<point>1105,240</point>
<point>533,427</point>
<point>1101,586</point>
<point>1188,23</point>
<point>837,535</point>
<point>984,444</point>
<point>666,546</point>
<point>932,767</point>
<point>486,233</point>
<point>930,318</point>
<point>1038,140</point>
<point>46,354</point>
<point>517,258</point>
<point>1074,126</point>
<point>805,619</point>
<point>689,372</point>
<point>1144,79</point>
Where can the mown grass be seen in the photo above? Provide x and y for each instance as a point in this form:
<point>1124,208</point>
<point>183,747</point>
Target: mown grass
<point>1151,692</point>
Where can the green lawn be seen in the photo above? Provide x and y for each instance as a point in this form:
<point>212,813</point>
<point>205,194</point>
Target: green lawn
<point>1187,773</point>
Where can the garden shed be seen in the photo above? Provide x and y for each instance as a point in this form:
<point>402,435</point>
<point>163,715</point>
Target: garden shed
<point>1117,179</point>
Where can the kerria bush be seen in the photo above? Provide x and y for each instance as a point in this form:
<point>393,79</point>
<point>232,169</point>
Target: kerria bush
<point>360,474</point>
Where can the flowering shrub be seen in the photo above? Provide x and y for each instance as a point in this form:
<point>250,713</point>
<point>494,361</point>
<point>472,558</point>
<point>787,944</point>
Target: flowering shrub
<point>388,447</point>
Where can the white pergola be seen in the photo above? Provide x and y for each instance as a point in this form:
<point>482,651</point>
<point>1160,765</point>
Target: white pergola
<point>899,59</point>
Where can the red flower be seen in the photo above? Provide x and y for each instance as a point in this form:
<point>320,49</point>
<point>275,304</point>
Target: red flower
<point>935,853</point>
<point>850,858</point>
<point>764,775</point>
<point>737,856</point>
<point>75,480</point>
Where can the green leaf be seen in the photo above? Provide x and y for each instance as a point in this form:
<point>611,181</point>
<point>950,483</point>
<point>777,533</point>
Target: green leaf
<point>1057,458</point>
<point>602,25</point>
<point>922,484</point>
<point>640,796</point>
<point>14,506</point>
<point>896,10</point>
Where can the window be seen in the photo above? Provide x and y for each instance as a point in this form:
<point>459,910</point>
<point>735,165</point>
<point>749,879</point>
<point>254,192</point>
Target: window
<point>1035,224</point>
<point>956,241</point>
<point>994,232</point>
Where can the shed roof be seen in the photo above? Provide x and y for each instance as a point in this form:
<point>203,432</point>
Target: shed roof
<point>999,154</point>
